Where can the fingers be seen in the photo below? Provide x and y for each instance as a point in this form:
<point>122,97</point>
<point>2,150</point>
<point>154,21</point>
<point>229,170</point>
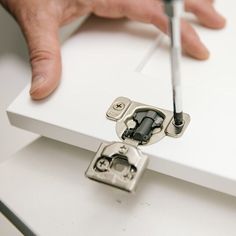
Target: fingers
<point>206,13</point>
<point>41,34</point>
<point>152,12</point>
<point>192,44</point>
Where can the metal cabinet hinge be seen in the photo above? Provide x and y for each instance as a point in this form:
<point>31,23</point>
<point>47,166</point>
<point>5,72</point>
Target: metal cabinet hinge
<point>121,164</point>
<point>118,164</point>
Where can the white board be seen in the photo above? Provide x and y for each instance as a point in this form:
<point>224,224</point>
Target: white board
<point>108,59</point>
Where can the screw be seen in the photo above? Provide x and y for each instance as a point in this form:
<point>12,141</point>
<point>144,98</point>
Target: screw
<point>102,164</point>
<point>123,149</point>
<point>119,106</point>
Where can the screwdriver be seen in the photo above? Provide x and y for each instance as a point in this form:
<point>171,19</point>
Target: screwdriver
<point>173,9</point>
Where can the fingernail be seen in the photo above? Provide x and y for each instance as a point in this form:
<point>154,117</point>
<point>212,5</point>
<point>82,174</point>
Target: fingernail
<point>222,17</point>
<point>202,54</point>
<point>221,21</point>
<point>36,83</point>
<point>205,52</point>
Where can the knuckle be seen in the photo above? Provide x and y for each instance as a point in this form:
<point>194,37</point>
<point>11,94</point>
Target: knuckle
<point>123,7</point>
<point>36,13</point>
<point>37,55</point>
<point>196,6</point>
<point>36,18</point>
<point>110,7</point>
<point>151,17</point>
<point>98,4</point>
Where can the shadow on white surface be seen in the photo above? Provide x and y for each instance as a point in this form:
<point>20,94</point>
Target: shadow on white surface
<point>55,198</point>
<point>14,75</point>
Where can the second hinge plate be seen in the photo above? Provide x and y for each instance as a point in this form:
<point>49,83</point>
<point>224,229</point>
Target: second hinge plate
<point>118,164</point>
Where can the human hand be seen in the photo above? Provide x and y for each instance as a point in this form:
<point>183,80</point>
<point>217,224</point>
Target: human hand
<point>41,20</point>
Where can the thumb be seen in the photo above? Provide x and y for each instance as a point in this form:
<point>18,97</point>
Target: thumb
<point>44,50</point>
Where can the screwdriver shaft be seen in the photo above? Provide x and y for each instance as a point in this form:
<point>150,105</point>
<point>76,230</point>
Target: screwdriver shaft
<point>173,10</point>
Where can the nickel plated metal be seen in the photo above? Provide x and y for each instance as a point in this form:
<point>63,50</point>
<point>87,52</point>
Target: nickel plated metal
<point>118,164</point>
<point>121,164</point>
<point>124,117</point>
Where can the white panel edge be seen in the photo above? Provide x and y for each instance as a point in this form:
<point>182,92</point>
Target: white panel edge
<point>157,164</point>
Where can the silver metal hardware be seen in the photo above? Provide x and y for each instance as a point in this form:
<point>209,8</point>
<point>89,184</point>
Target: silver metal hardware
<point>121,164</point>
<point>125,120</point>
<point>115,114</point>
<point>102,164</point>
<point>118,164</point>
<point>119,106</point>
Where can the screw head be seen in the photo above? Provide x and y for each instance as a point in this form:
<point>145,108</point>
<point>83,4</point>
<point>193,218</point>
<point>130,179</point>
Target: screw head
<point>102,164</point>
<point>119,106</point>
<point>123,149</point>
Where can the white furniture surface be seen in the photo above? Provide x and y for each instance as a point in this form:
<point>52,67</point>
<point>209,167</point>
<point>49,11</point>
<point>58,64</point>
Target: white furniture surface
<point>108,59</point>
<point>44,185</point>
